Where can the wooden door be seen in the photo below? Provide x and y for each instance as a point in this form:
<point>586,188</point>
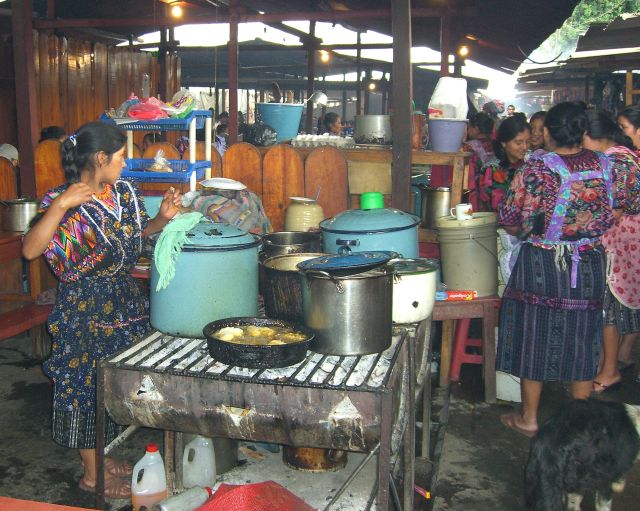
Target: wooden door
<point>325,170</point>
<point>282,177</point>
<point>48,166</point>
<point>243,163</point>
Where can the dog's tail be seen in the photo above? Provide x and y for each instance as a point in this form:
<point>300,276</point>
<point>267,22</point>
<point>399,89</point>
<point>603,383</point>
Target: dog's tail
<point>542,481</point>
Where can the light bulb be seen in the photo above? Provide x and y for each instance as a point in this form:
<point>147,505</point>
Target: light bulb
<point>176,11</point>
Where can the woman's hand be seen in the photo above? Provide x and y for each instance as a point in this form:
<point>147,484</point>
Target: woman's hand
<point>171,204</point>
<point>75,195</point>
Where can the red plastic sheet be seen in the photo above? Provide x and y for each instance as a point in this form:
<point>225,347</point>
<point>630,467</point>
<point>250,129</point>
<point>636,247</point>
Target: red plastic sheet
<point>265,496</point>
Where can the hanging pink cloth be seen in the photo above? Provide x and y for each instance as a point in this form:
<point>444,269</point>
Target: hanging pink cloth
<point>622,242</point>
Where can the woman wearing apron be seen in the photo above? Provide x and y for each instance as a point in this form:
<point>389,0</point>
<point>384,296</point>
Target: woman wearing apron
<point>621,241</point>
<point>559,205</point>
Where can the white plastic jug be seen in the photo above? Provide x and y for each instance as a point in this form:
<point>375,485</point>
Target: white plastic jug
<point>199,463</point>
<point>148,481</point>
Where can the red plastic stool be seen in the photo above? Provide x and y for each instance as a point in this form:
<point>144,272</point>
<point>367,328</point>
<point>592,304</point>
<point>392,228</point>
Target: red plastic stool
<point>460,343</point>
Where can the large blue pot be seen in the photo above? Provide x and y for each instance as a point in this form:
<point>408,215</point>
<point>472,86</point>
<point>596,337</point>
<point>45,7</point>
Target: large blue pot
<point>360,230</point>
<point>216,278</point>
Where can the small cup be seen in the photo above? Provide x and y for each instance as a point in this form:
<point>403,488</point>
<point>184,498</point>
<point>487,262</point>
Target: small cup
<point>462,212</point>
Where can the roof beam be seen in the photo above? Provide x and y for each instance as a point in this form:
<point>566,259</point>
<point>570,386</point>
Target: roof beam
<point>266,18</point>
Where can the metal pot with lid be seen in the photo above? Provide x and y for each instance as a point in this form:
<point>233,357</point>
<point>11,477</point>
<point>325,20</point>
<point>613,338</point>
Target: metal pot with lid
<point>216,277</point>
<point>338,305</point>
<point>376,228</point>
<point>414,289</point>
<point>18,213</point>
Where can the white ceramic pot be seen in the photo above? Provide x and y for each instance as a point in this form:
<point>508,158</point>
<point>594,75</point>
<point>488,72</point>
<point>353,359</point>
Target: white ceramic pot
<point>414,289</point>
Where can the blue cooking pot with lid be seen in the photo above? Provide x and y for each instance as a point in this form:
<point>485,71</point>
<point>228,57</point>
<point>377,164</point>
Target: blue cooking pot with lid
<point>216,277</point>
<point>363,230</point>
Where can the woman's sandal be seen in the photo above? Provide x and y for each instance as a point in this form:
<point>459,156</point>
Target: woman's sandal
<point>118,468</point>
<point>606,387</point>
<point>511,421</point>
<point>114,488</point>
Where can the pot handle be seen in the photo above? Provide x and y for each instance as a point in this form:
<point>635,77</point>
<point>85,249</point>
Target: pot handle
<point>345,246</point>
<point>337,283</point>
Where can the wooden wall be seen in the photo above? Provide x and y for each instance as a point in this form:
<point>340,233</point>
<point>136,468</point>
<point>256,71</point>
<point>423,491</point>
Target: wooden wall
<point>77,80</point>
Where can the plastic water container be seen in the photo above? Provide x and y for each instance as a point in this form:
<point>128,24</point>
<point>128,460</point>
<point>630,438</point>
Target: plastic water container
<point>199,463</point>
<point>446,134</point>
<point>282,117</point>
<point>149,480</point>
<point>468,251</point>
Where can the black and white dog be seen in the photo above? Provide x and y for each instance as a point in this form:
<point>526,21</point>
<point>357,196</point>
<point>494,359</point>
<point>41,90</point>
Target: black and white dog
<point>586,447</point>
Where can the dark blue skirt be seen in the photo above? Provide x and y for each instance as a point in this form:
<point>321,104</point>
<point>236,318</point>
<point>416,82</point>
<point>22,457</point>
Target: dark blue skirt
<point>549,331</point>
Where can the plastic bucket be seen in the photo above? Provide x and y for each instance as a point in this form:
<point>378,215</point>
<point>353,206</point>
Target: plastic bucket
<point>282,117</point>
<point>446,134</point>
<point>468,251</point>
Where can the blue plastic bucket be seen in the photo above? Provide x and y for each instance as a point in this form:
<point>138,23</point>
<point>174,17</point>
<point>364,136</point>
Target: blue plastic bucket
<point>446,134</point>
<point>282,117</point>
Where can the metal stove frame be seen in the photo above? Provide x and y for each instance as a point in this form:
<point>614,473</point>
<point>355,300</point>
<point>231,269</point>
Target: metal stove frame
<point>147,385</point>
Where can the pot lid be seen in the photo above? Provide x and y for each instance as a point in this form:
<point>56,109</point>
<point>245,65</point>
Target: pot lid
<point>478,220</point>
<point>354,261</point>
<point>413,266</point>
<point>369,221</point>
<point>218,236</point>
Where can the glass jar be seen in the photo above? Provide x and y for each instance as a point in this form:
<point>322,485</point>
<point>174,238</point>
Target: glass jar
<point>303,214</point>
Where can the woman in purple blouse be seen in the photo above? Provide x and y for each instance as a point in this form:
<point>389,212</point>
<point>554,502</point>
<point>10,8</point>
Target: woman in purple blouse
<point>559,204</point>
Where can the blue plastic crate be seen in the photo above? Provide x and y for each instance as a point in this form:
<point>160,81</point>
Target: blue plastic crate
<point>168,124</point>
<point>181,170</point>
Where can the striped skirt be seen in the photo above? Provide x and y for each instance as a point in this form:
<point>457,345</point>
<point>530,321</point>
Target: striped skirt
<point>626,320</point>
<point>549,331</point>
<point>77,430</point>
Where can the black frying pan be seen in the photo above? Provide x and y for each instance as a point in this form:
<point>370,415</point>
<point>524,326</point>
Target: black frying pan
<point>257,357</point>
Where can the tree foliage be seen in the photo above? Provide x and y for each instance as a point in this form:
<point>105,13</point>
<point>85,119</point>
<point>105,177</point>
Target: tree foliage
<point>564,40</point>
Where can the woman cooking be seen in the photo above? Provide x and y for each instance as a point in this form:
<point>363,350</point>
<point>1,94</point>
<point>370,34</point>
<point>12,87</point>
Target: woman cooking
<point>510,147</point>
<point>559,204</point>
<point>622,295</point>
<point>90,231</point>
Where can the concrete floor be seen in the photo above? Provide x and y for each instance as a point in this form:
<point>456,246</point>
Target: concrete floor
<point>478,463</point>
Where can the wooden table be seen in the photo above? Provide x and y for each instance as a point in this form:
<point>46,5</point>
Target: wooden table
<point>9,504</point>
<point>485,308</point>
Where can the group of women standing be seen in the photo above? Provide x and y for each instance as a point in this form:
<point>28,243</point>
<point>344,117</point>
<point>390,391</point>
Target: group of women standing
<point>574,207</point>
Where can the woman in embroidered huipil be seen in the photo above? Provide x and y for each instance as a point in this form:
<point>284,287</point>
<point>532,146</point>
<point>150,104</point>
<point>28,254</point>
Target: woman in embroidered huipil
<point>559,204</point>
<point>510,147</point>
<point>621,243</point>
<point>90,231</point>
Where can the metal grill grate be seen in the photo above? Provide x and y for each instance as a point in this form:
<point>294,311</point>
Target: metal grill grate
<point>190,357</point>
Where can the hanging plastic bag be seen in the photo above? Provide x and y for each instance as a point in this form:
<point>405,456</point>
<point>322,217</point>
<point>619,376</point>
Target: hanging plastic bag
<point>160,163</point>
<point>449,99</point>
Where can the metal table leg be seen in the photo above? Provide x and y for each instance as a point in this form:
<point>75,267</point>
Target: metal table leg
<point>384,456</point>
<point>409,431</point>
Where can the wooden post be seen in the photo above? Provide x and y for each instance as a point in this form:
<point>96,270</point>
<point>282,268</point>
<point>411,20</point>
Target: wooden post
<point>233,72</point>
<point>162,61</point>
<point>26,99</point>
<point>359,105</point>
<point>445,43</point>
<point>367,93</point>
<point>311,74</point>
<point>628,89</point>
<point>402,93</point>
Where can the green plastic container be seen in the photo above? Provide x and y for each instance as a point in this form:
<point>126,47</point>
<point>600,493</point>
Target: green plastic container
<point>371,200</point>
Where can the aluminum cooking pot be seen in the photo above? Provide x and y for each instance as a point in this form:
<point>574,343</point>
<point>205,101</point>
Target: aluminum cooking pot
<point>360,230</point>
<point>436,203</point>
<point>290,242</point>
<point>216,277</point>
<point>17,213</point>
<point>343,315</point>
<point>372,129</point>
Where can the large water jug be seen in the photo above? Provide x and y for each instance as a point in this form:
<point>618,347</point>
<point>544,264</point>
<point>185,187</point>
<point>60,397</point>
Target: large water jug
<point>199,463</point>
<point>148,481</point>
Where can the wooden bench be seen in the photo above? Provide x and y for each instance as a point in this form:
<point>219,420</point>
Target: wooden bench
<point>23,318</point>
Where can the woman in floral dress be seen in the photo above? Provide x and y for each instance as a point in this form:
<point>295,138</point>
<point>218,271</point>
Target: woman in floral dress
<point>90,231</point>
<point>621,242</point>
<point>559,204</point>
